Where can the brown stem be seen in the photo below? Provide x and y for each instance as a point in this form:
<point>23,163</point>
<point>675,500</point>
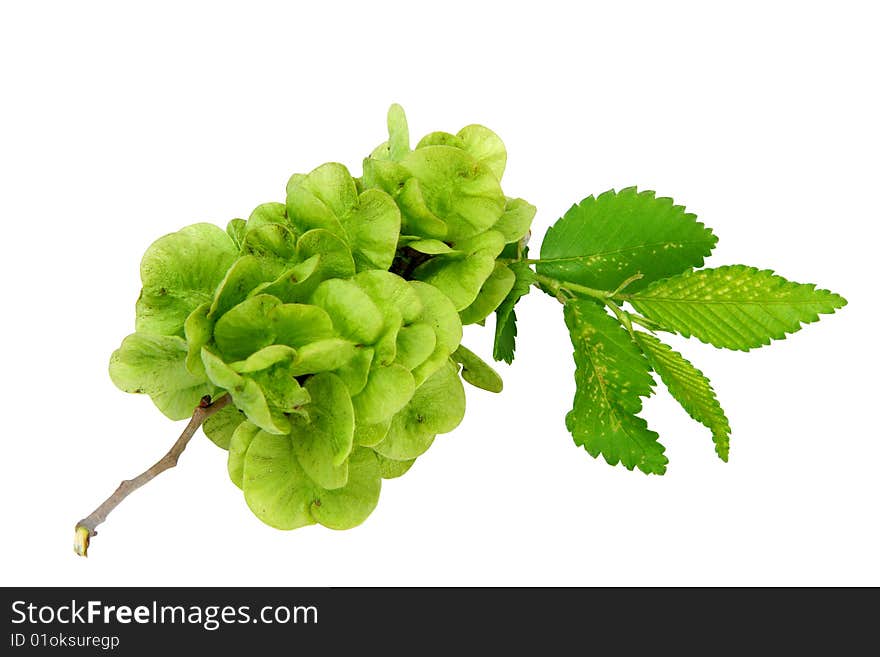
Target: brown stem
<point>86,527</point>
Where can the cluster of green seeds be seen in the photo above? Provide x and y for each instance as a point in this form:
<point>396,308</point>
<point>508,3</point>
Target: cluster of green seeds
<point>333,320</point>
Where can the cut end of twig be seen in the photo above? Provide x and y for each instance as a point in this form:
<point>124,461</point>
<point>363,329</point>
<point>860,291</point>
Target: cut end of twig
<point>81,538</point>
<point>86,527</point>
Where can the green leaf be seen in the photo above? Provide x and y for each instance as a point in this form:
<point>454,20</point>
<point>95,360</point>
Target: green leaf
<point>505,317</point>
<point>476,371</point>
<point>612,376</point>
<point>505,338</point>
<point>601,242</point>
<point>486,147</point>
<point>179,272</point>
<point>690,388</point>
<point>323,441</point>
<point>156,365</point>
<point>734,307</point>
<point>220,426</point>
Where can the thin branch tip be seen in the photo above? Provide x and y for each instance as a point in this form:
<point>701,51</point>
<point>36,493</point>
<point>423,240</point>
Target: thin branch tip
<point>86,528</point>
<point>81,538</point>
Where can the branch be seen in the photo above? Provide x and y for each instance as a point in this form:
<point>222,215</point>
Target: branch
<point>555,286</point>
<point>86,527</point>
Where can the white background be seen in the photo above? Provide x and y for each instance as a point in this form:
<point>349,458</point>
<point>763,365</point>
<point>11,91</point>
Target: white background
<point>122,124</point>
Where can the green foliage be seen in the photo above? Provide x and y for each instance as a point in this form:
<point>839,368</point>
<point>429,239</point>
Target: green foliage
<point>605,240</point>
<point>689,387</point>
<point>505,315</point>
<point>631,247</point>
<point>734,307</point>
<point>333,319</point>
<point>612,376</point>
